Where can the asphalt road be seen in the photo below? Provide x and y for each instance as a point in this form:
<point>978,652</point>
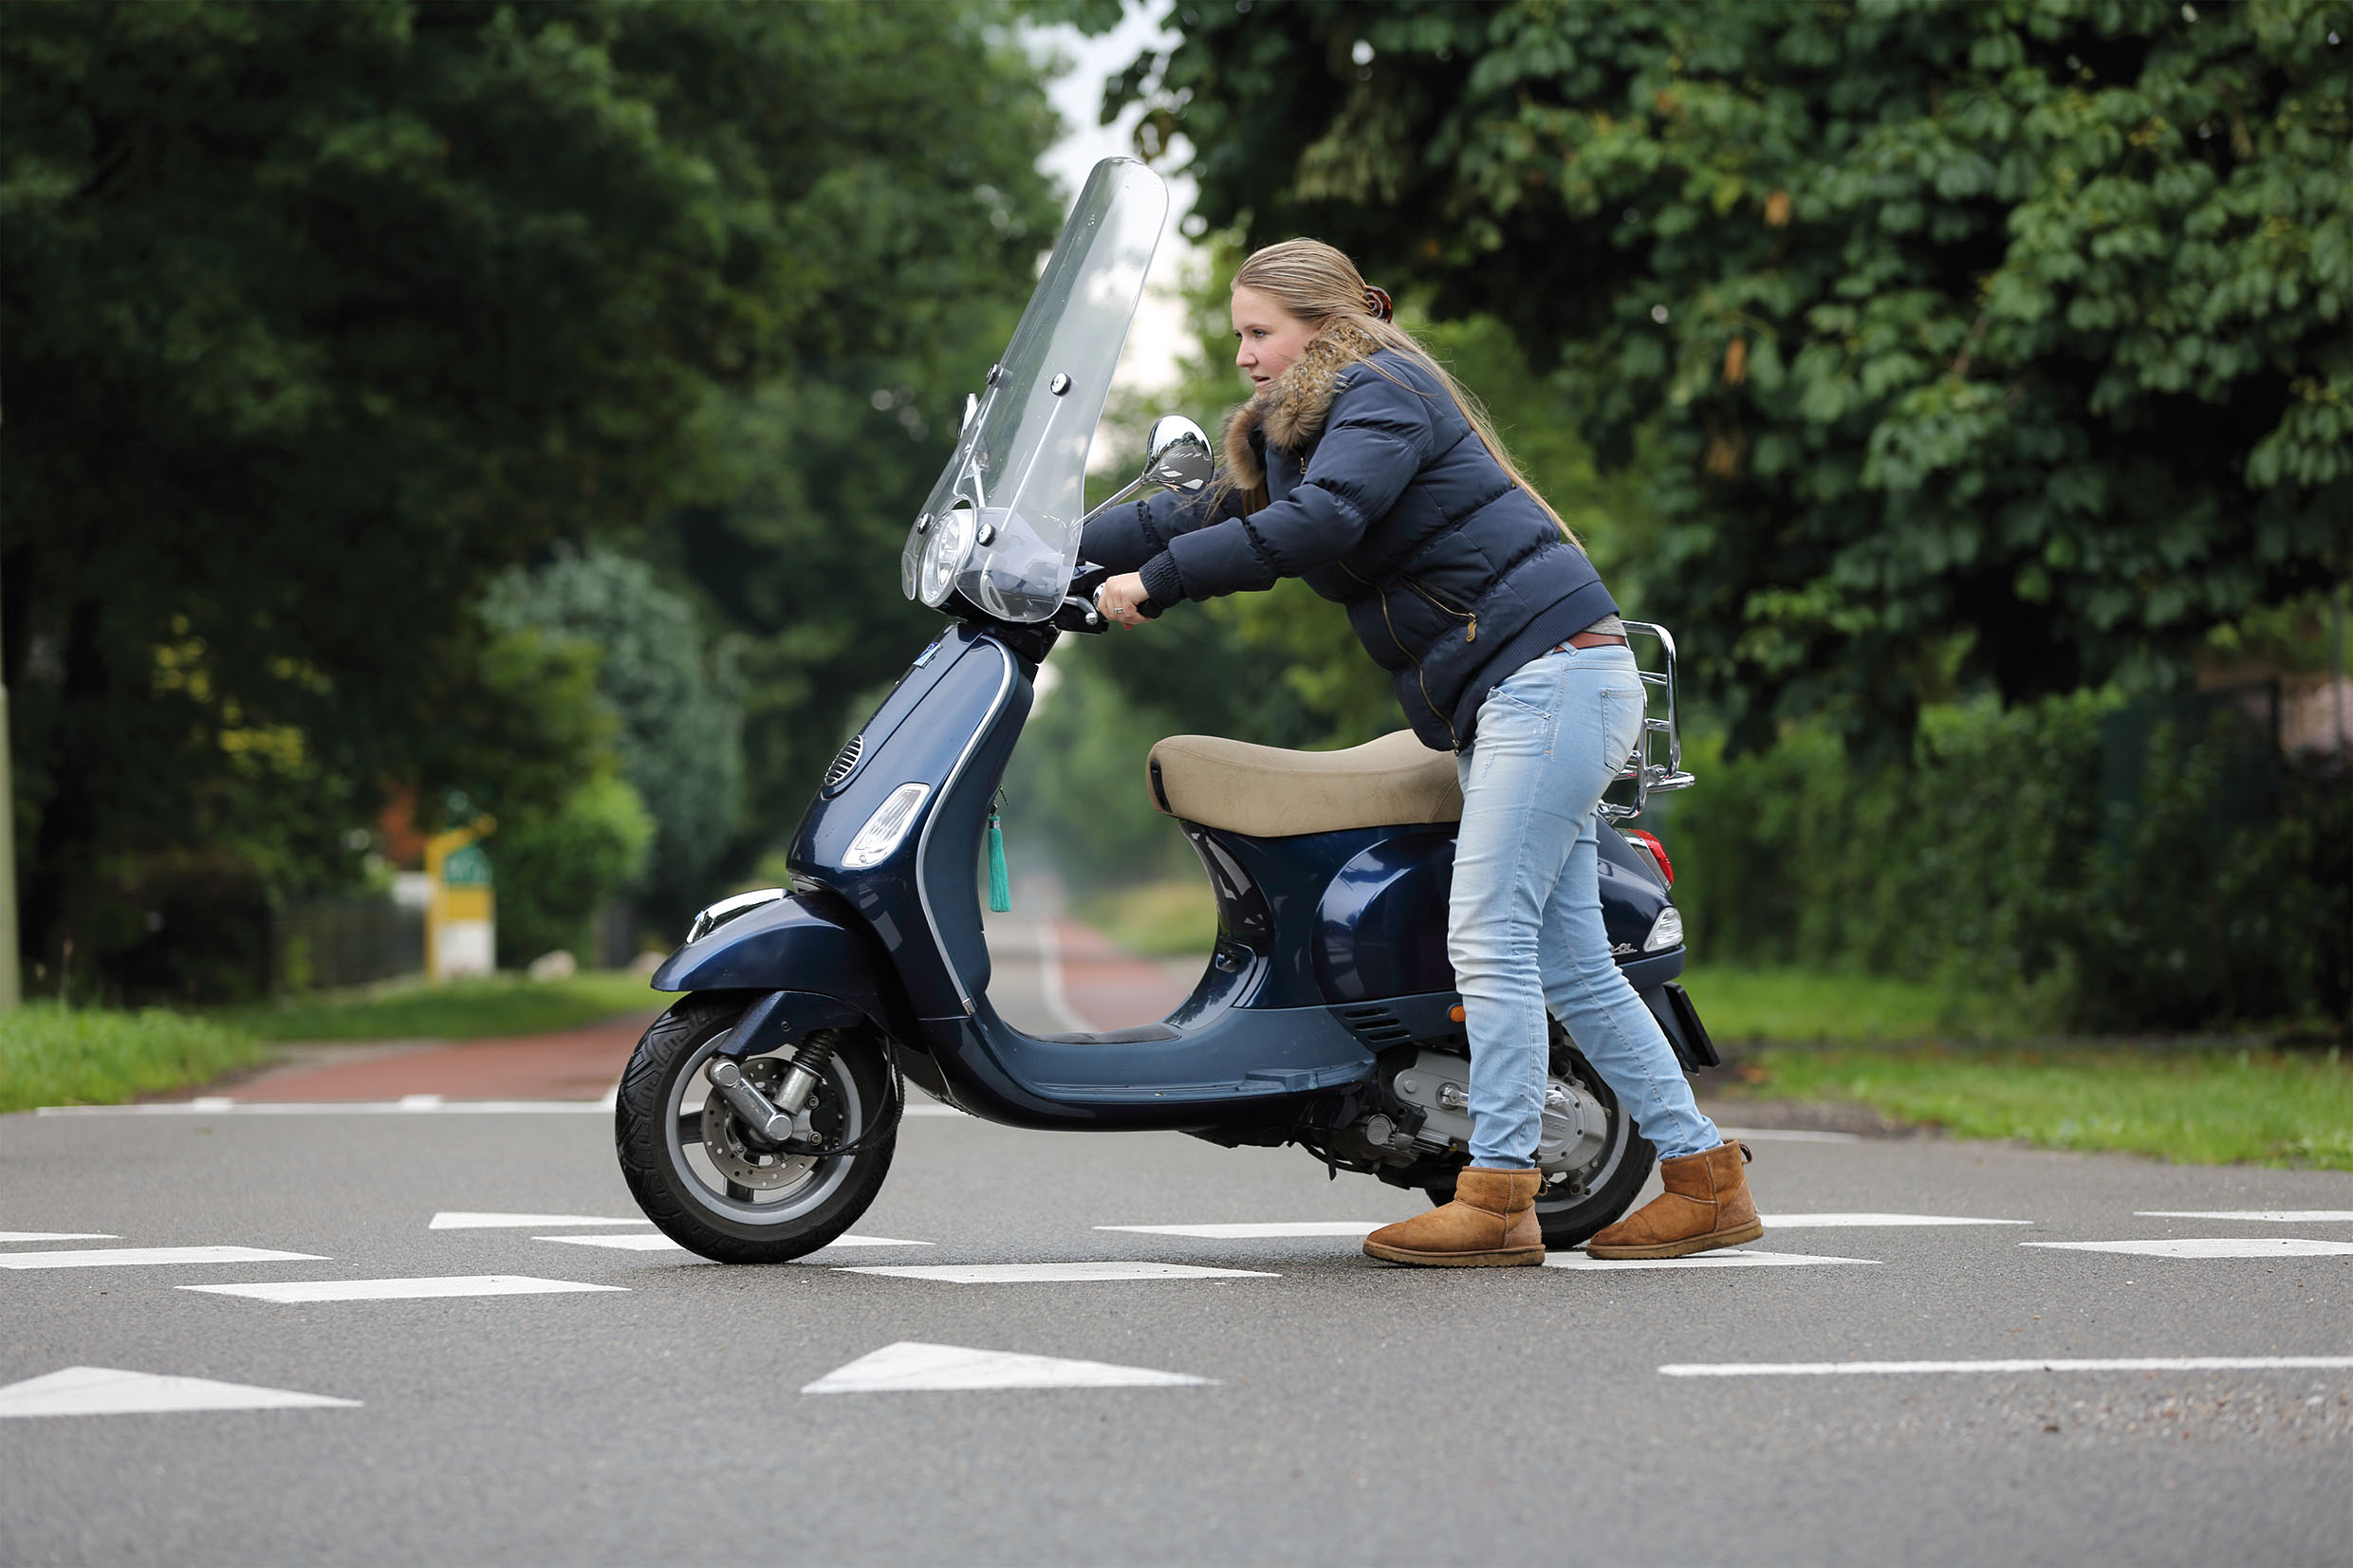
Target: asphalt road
<point>1346,1410</point>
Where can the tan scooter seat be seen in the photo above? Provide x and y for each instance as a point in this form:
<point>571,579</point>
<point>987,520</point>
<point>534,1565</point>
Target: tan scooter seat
<point>1270,793</point>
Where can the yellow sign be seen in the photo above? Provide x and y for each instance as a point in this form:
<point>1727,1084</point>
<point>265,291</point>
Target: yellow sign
<point>461,911</point>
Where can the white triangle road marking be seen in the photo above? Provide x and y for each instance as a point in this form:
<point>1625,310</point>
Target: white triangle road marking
<point>911,1366</point>
<point>1731,1258</point>
<point>401,1290</point>
<point>1033,1274</point>
<point>1841,1222</point>
<point>125,1257</point>
<point>2202,1246</point>
<point>58,1236</point>
<point>636,1241</point>
<point>2126,1363</point>
<point>461,1219</point>
<point>1275,1228</point>
<point>106,1391</point>
<point>641,1241</point>
<point>2268,1216</point>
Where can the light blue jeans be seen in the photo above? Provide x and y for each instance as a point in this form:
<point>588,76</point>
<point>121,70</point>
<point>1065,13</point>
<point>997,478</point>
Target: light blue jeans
<point>1524,925</point>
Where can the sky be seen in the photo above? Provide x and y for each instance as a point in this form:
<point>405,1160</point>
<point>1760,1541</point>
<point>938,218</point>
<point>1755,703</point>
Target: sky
<point>1159,336</point>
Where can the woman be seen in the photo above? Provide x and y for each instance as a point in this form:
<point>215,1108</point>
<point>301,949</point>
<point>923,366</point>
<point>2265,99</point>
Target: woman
<point>1360,466</point>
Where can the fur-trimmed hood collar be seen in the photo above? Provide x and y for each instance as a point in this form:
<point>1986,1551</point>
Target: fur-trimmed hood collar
<point>1293,409</point>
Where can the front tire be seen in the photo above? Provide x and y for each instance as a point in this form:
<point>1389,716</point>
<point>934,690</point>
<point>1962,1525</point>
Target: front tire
<point>687,1163</point>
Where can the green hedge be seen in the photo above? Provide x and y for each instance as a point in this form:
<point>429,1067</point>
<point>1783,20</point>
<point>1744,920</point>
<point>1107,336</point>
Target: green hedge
<point>2052,865</point>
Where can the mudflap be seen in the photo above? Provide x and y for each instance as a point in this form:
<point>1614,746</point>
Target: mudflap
<point>1672,1006</point>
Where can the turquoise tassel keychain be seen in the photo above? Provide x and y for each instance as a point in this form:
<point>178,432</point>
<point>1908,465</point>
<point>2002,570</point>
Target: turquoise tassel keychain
<point>1000,885</point>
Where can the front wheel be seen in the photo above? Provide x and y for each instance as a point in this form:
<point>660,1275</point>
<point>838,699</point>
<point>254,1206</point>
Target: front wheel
<point>718,1191</point>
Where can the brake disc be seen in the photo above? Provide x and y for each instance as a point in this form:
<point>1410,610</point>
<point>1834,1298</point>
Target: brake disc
<point>731,1147</point>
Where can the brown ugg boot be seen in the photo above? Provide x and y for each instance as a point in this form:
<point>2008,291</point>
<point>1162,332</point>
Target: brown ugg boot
<point>1706,1206</point>
<point>1491,1224</point>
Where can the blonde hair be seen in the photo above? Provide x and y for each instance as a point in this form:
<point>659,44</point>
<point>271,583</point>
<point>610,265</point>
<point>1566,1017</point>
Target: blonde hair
<point>1317,283</point>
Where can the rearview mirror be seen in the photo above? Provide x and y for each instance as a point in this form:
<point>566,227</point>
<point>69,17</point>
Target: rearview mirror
<point>1177,455</point>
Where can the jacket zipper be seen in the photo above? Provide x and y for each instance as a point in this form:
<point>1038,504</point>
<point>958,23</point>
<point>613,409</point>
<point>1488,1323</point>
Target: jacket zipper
<point>1421,676</point>
<point>1444,608</point>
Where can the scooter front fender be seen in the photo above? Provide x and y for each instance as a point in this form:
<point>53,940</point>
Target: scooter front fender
<point>811,942</point>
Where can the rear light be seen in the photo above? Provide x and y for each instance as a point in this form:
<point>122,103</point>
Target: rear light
<point>1657,852</point>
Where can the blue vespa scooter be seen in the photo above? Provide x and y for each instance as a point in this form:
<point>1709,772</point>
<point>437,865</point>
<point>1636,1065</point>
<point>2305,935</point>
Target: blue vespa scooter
<point>757,1117</point>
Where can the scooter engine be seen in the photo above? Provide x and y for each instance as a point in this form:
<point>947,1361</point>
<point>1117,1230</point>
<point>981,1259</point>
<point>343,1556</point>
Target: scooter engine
<point>1575,1125</point>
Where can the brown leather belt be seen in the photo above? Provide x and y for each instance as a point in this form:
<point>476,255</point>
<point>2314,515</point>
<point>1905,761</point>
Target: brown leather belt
<point>1590,639</point>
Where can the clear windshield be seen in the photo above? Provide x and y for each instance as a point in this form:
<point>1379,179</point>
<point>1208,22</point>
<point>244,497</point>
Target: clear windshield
<point>1002,523</point>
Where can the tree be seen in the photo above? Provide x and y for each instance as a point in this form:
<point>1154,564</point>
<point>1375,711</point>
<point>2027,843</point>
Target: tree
<point>1983,345</point>
<point>678,731</point>
<point>319,316</point>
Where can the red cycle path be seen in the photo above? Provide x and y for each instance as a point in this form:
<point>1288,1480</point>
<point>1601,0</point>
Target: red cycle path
<point>1106,985</point>
<point>566,1064</point>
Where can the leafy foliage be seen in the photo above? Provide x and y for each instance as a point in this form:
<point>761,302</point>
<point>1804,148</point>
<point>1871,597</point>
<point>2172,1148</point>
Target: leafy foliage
<point>676,732</point>
<point>317,317</point>
<point>554,871</point>
<point>1984,345</point>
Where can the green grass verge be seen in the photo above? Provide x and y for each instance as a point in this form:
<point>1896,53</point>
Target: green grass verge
<point>52,1055</point>
<point>1155,919</point>
<point>461,1009</point>
<point>2196,1107</point>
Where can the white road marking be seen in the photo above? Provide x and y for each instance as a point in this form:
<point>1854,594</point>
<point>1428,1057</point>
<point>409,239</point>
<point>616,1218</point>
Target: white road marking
<point>929,1108</point>
<point>1049,981</point>
<point>1732,1257</point>
<point>1276,1227</point>
<point>642,1242</point>
<point>2129,1363</point>
<point>401,1290</point>
<point>2268,1216</point>
<point>1786,1134</point>
<point>128,1256</point>
<point>911,1366</point>
<point>461,1219</point>
<point>1827,1222</point>
<point>339,1108</point>
<point>106,1390</point>
<point>58,1236</point>
<point>2209,1246</point>
<point>1028,1274</point>
<point>638,1242</point>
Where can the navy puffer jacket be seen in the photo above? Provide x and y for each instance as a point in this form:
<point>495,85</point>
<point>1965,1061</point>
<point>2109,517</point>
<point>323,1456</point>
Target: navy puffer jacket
<point>1382,497</point>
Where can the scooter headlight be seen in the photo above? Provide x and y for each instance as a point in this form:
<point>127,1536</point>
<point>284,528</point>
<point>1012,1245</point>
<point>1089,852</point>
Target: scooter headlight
<point>887,828</point>
<point>950,541</point>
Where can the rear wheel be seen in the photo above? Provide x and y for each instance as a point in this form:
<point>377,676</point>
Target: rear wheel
<point>1596,1181</point>
<point>712,1187</point>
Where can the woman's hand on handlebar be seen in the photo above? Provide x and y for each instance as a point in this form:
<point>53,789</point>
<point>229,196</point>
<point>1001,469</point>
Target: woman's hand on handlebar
<point>1123,600</point>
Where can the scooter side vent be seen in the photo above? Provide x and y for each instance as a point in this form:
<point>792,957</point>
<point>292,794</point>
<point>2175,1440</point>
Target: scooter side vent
<point>1377,1026</point>
<point>845,761</point>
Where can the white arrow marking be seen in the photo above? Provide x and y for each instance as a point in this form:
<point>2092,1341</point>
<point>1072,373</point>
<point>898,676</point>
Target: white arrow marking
<point>401,1290</point>
<point>2200,1246</point>
<point>910,1366</point>
<point>57,1236</point>
<point>2135,1363</point>
<point>2268,1216</point>
<point>1826,1222</point>
<point>1034,1273</point>
<point>1735,1258</point>
<point>125,1257</point>
<point>458,1219</point>
<point>104,1391</point>
<point>1276,1227</point>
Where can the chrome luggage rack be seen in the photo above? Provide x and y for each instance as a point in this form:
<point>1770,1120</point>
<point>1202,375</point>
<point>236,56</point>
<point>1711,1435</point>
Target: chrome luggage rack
<point>1643,767</point>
